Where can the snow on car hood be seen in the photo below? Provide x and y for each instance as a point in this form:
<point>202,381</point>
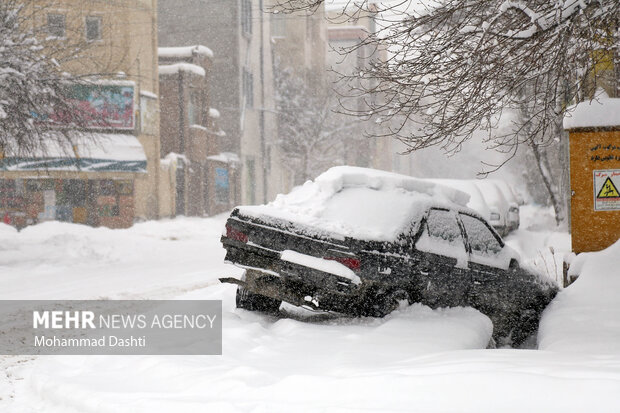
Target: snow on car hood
<point>359,203</point>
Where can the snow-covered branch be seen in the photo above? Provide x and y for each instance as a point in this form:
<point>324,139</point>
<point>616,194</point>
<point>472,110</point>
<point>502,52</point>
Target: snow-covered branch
<point>455,64</point>
<point>32,83</point>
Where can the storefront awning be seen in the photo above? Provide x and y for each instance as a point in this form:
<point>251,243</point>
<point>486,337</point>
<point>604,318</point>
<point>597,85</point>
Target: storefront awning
<point>88,152</point>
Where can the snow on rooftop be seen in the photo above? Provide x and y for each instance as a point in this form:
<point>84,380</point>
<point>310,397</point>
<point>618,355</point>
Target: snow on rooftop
<point>358,202</point>
<point>117,147</point>
<point>174,157</point>
<point>184,51</point>
<point>600,112</point>
<point>89,151</point>
<point>214,113</point>
<point>181,67</point>
<point>226,157</point>
<point>148,94</point>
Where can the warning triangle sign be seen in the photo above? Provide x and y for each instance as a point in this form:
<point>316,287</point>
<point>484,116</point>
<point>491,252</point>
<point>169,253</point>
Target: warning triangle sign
<point>608,190</point>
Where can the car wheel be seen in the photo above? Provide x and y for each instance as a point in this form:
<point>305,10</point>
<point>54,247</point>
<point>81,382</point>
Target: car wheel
<point>392,301</point>
<point>250,301</point>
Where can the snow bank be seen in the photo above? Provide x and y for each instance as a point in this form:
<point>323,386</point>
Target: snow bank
<point>58,260</point>
<point>600,112</point>
<point>541,246</point>
<point>7,229</point>
<point>358,202</point>
<point>585,317</point>
<point>269,365</point>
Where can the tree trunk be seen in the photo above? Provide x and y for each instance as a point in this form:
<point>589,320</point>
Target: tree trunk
<point>544,173</point>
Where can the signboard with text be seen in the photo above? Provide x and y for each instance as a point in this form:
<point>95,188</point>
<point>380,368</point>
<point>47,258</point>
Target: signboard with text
<point>606,190</point>
<point>99,107</point>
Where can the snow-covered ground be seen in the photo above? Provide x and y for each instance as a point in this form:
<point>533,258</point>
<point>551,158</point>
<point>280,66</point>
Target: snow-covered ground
<point>416,359</point>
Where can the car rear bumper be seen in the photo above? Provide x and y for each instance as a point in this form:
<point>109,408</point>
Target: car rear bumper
<point>296,284</point>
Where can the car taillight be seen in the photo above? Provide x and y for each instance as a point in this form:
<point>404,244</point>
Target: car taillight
<point>353,263</point>
<point>236,234</point>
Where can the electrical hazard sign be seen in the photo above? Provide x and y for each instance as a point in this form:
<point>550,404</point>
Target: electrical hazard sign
<point>606,194</point>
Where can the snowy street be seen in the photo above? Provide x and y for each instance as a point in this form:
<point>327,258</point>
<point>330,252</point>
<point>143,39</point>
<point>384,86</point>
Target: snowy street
<point>334,206</point>
<point>416,359</point>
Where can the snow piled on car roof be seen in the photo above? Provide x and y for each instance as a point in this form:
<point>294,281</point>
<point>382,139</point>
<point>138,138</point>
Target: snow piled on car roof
<point>358,202</point>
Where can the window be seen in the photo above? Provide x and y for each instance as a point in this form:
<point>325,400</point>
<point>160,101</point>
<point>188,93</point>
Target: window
<point>73,193</point>
<point>222,185</point>
<point>8,193</point>
<point>194,109</point>
<point>106,188</point>
<point>442,226</point>
<point>149,123</point>
<point>124,187</point>
<point>246,16</point>
<point>442,236</point>
<point>248,88</point>
<point>56,25</point>
<point>481,239</point>
<point>93,28</point>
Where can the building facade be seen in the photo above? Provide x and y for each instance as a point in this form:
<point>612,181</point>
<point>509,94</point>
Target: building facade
<point>203,177</point>
<point>108,174</point>
<point>347,56</point>
<point>242,83</point>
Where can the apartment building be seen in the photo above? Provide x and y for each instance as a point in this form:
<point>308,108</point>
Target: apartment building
<point>110,175</point>
<point>203,177</point>
<point>242,82</point>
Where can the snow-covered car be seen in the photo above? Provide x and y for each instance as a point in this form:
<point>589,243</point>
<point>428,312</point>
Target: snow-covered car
<point>364,242</point>
<point>476,200</point>
<point>497,203</point>
<point>513,219</point>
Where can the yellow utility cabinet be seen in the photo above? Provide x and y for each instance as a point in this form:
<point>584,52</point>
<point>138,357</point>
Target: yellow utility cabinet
<point>594,134</point>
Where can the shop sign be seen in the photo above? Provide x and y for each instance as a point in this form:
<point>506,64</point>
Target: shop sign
<point>99,107</point>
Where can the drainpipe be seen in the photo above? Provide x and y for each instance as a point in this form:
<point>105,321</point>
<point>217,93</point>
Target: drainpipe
<point>181,115</point>
<point>182,138</point>
<point>263,146</point>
